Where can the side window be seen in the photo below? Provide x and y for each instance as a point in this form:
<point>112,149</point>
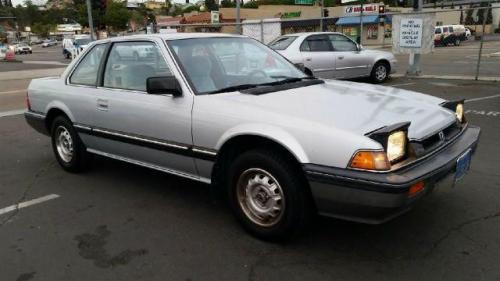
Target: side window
<point>316,43</point>
<point>341,43</point>
<point>86,71</point>
<point>130,64</point>
<point>451,28</point>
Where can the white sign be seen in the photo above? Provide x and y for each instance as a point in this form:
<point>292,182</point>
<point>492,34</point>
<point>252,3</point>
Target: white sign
<point>410,33</point>
<point>347,1</point>
<point>356,9</point>
<point>214,17</point>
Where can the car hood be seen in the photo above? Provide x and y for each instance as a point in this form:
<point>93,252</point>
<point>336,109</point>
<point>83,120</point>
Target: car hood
<point>356,107</point>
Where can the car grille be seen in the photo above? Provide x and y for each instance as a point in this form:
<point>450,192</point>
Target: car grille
<point>429,144</point>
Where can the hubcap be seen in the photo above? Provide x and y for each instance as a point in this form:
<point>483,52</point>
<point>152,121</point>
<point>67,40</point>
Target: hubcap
<point>260,197</point>
<point>64,144</point>
<point>380,73</point>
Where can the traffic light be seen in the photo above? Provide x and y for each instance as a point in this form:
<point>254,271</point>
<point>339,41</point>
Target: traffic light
<point>401,3</point>
<point>381,9</point>
<point>326,13</point>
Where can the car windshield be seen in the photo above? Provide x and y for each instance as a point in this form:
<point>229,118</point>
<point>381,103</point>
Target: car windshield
<point>216,64</point>
<point>23,44</point>
<point>437,31</point>
<point>281,43</point>
<point>81,42</point>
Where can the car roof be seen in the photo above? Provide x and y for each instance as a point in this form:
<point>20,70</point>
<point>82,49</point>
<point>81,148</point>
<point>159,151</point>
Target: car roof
<point>171,36</point>
<point>310,33</point>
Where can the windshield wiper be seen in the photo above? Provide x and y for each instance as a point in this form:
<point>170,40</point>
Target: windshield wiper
<point>287,79</point>
<point>233,88</point>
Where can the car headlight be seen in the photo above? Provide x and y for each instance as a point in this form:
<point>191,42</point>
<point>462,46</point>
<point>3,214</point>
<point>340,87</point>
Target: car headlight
<point>396,146</point>
<point>459,112</point>
<point>457,107</point>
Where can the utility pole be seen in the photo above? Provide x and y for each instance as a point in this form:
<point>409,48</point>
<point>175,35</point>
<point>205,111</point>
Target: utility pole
<point>414,61</point>
<point>485,16</point>
<point>91,21</point>
<point>361,24</point>
<point>321,7</point>
<point>238,21</point>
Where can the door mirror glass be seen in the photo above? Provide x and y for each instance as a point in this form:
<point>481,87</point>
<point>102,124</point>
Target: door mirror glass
<point>163,85</point>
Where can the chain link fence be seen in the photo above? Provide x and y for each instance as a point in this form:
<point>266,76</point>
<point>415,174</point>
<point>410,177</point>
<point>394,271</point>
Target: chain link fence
<point>475,53</point>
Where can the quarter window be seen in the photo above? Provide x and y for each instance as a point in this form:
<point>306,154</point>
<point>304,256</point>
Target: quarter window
<point>341,43</point>
<point>86,71</point>
<point>130,64</point>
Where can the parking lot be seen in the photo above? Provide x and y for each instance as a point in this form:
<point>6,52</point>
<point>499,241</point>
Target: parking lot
<point>123,222</point>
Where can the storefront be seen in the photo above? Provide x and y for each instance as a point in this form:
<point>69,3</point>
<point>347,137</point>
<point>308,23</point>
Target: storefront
<point>376,26</point>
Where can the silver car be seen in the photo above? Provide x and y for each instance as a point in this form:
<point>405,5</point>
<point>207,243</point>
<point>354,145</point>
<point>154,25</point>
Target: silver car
<point>282,144</point>
<point>334,55</point>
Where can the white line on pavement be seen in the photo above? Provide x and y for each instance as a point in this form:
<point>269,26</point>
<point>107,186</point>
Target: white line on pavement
<point>483,98</point>
<point>12,112</point>
<point>28,203</point>
<point>14,91</point>
<point>404,84</point>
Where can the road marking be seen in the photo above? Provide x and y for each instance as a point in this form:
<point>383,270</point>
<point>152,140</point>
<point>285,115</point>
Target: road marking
<point>28,203</point>
<point>12,112</point>
<point>483,98</point>
<point>482,112</point>
<point>403,84</point>
<point>14,91</point>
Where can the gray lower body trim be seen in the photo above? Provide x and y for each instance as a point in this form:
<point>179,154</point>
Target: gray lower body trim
<point>148,165</point>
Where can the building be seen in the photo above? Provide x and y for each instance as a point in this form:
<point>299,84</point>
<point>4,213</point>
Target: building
<point>154,5</point>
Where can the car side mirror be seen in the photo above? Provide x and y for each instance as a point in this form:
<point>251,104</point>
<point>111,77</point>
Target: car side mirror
<point>163,85</point>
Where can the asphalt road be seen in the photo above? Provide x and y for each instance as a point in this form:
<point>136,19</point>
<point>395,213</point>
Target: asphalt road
<point>122,222</point>
<point>41,58</point>
<point>458,61</point>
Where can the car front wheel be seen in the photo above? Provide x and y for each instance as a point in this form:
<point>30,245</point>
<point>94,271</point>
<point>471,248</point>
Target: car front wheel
<point>380,72</point>
<point>268,196</point>
<point>69,150</point>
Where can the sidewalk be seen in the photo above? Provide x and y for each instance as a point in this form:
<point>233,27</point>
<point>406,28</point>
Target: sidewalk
<point>30,74</point>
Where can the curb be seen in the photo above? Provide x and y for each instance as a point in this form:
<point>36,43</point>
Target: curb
<point>450,77</point>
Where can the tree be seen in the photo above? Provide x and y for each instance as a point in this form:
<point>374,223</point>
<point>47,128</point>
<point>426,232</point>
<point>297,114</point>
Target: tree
<point>117,15</point>
<point>469,20</point>
<point>227,4</point>
<point>211,5</point>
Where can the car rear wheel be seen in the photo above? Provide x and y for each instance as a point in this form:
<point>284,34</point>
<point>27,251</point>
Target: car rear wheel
<point>457,42</point>
<point>268,196</point>
<point>69,150</point>
<point>380,72</point>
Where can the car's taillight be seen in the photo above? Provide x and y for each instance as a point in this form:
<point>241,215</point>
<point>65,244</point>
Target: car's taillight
<point>28,104</point>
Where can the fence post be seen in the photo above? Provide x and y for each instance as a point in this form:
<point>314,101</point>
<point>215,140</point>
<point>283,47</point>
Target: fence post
<point>485,16</point>
<point>262,31</point>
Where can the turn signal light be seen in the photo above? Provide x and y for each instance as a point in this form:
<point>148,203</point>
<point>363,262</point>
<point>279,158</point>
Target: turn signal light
<point>416,188</point>
<point>370,160</point>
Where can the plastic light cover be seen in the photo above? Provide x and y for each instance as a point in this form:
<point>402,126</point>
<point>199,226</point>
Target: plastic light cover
<point>396,146</point>
<point>459,111</point>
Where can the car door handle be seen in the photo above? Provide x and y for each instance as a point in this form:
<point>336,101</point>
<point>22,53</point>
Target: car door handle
<point>340,57</point>
<point>308,59</point>
<point>102,104</point>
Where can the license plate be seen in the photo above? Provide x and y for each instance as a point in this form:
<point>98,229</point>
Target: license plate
<point>463,164</point>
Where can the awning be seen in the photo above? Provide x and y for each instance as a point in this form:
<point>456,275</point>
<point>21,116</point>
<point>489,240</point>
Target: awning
<point>372,19</point>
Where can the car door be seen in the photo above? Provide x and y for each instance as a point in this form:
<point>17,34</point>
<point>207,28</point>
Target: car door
<point>349,61</point>
<point>316,51</point>
<point>154,130</point>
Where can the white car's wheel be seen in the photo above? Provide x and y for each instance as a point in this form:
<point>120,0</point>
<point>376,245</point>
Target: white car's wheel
<point>380,72</point>
<point>69,150</point>
<point>268,195</point>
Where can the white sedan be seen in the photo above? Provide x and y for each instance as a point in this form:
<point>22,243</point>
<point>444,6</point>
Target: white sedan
<point>334,55</point>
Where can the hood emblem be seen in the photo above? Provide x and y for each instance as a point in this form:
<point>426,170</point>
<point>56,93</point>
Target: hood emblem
<point>441,136</point>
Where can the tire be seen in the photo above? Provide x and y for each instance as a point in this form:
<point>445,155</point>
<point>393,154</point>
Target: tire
<point>290,195</point>
<point>69,150</point>
<point>380,72</point>
<point>456,42</point>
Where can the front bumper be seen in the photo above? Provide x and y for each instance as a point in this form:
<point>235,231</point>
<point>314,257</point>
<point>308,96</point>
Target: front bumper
<point>375,198</point>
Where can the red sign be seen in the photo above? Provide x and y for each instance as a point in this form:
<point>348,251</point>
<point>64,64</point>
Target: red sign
<point>10,55</point>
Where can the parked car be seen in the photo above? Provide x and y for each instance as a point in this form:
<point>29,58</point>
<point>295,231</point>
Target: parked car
<point>23,48</point>
<point>334,55</point>
<point>36,41</point>
<point>48,43</point>
<point>282,144</point>
<point>446,35</point>
<point>468,33</point>
<point>3,52</point>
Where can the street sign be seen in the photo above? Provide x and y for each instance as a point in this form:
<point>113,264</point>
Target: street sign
<point>348,1</point>
<point>304,2</point>
<point>214,17</point>
<point>410,33</point>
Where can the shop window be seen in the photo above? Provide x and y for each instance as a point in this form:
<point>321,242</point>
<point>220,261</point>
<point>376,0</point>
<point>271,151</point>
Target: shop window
<point>372,32</point>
